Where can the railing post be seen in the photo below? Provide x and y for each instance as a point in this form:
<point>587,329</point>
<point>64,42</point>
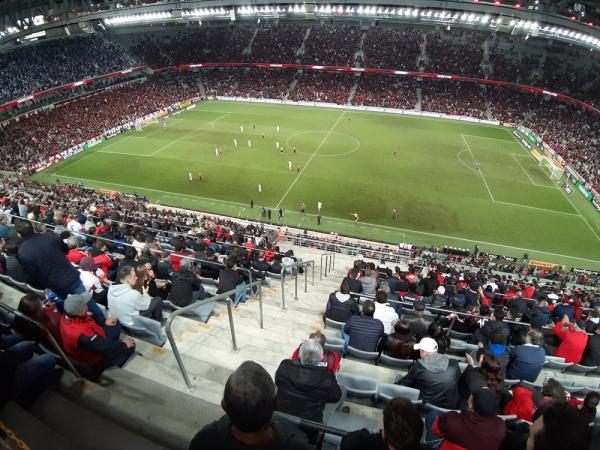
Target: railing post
<point>283,289</point>
<point>306,279</point>
<point>230,313</point>
<point>333,262</point>
<point>260,305</point>
<point>321,267</point>
<point>296,283</point>
<point>326,259</point>
<point>175,350</point>
<point>313,273</point>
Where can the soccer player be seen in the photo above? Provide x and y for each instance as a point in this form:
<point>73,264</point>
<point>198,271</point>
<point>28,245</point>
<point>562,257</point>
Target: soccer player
<point>259,187</point>
<point>318,218</point>
<point>263,135</point>
<point>302,206</point>
<point>242,129</point>
<point>394,213</point>
<point>220,151</point>
<point>294,149</point>
<point>235,142</point>
<point>298,168</point>
<point>477,166</point>
<point>190,175</point>
<point>254,126</point>
<point>277,145</point>
<point>290,165</point>
<point>280,213</point>
<point>200,176</point>
<point>319,206</point>
<point>216,151</point>
<point>249,143</point>
<point>164,125</point>
<point>355,217</point>
<point>278,128</point>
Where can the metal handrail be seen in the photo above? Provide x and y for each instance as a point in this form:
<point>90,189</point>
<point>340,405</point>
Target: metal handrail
<point>433,308</point>
<point>328,257</point>
<point>220,297</point>
<point>297,264</point>
<point>45,330</point>
<point>310,424</point>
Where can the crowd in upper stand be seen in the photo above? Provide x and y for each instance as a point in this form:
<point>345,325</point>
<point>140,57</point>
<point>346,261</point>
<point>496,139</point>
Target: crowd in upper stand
<point>33,68</point>
<point>572,133</point>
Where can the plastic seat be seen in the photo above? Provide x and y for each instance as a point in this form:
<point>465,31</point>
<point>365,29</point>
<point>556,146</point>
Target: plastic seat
<point>389,391</point>
<point>386,360</point>
<point>362,355</point>
<point>147,329</point>
<point>579,368</point>
<point>554,358</point>
<point>347,422</point>
<point>554,365</point>
<point>39,292</point>
<point>511,382</point>
<point>358,385</point>
<point>460,336</point>
<point>333,324</point>
<point>203,312</point>
<point>530,385</point>
<point>507,418</point>
<point>334,344</point>
<point>439,409</point>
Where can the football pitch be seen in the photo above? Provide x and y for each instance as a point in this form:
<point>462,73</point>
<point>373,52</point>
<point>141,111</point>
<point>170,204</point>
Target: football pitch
<point>352,162</point>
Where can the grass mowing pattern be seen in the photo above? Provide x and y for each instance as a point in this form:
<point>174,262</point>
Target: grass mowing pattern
<point>351,161</point>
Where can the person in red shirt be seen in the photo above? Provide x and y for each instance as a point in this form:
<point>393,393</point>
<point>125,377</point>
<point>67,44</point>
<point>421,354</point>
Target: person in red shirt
<point>83,339</point>
<point>75,254</point>
<point>573,341</point>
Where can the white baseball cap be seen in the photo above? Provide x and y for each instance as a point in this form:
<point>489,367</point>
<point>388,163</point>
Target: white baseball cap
<point>427,345</point>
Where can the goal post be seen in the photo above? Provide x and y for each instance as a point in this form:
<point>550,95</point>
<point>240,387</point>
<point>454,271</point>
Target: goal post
<point>552,167</point>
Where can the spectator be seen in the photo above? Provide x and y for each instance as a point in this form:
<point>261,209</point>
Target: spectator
<point>386,314</point>
<point>125,302</point>
<point>400,344</point>
<point>331,360</point>
<point>402,430</point>
<point>591,355</point>
<point>186,288</point>
<point>435,375</point>
<point>369,282</point>
<point>304,387</point>
<point>418,325</point>
<point>589,406</point>
<point>33,307</point>
<point>559,427</point>
<point>477,428</point>
<point>527,360</point>
<point>364,332</point>
<point>340,305</point>
<point>97,345</point>
<point>496,326</point>
<point>488,375</point>
<point>564,309</point>
<point>230,279</point>
<point>437,333</point>
<point>90,281</point>
<point>249,400</point>
<point>573,340</point>
<point>539,315</point>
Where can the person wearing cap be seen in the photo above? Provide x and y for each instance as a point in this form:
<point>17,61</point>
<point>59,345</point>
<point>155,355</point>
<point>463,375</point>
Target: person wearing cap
<point>99,345</point>
<point>435,375</point>
<point>478,428</point>
<point>573,340</point>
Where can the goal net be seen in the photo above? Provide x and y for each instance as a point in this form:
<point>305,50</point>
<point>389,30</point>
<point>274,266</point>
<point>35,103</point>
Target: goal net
<point>552,167</point>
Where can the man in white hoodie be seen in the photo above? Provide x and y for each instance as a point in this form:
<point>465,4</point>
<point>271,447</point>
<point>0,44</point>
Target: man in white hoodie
<point>124,302</point>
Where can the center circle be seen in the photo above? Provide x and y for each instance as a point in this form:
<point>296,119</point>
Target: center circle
<point>306,142</point>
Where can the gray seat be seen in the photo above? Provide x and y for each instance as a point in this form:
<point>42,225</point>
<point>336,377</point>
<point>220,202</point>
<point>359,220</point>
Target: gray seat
<point>530,385</point>
<point>362,355</point>
<point>347,422</point>
<point>554,358</point>
<point>147,329</point>
<point>333,324</point>
<point>334,344</point>
<point>389,391</point>
<point>511,382</point>
<point>554,365</point>
<point>203,312</point>
<point>439,409</point>
<point>358,385</point>
<point>385,360</point>
<point>460,336</point>
<point>507,418</point>
<point>579,368</point>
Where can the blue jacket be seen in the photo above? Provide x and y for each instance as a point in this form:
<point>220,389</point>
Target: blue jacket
<point>526,362</point>
<point>43,257</point>
<point>365,332</point>
<point>560,311</point>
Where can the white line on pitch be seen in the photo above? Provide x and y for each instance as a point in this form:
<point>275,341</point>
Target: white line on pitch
<point>480,172</point>
<point>77,160</point>
<point>535,207</point>
<point>516,157</point>
<point>509,141</point>
<point>310,159</point>
<point>563,193</point>
<point>337,220</point>
<point>187,134</point>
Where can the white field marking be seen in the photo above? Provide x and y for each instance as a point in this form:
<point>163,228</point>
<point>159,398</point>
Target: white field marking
<point>464,163</point>
<point>188,134</point>
<point>124,153</point>
<point>536,208</point>
<point>489,138</point>
<point>480,172</point>
<point>72,163</point>
<point>355,149</point>
<point>516,157</point>
<point>563,193</point>
<point>309,160</point>
<point>337,220</point>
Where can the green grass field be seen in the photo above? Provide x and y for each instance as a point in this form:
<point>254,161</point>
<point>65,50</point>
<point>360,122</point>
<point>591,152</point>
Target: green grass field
<point>347,162</point>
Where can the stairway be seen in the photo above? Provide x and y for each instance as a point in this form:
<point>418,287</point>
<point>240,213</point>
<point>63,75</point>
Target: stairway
<point>302,47</point>
<point>352,92</point>
<point>292,86</point>
<point>248,49</point>
<point>419,105</point>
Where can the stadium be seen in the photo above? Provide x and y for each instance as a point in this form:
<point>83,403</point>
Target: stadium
<point>315,225</point>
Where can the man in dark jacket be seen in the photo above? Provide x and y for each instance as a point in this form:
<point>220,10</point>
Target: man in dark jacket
<point>526,361</point>
<point>495,326</point>
<point>185,285</point>
<point>211,266</point>
<point>305,387</point>
<point>539,315</point>
<point>340,305</point>
<point>591,355</point>
<point>43,257</point>
<point>364,332</point>
<point>435,375</point>
<point>249,401</point>
<point>230,278</point>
